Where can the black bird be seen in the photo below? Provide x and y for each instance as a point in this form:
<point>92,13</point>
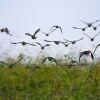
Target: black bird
<point>11,65</point>
<point>66,45</point>
<point>95,27</point>
<point>33,36</point>
<point>23,43</point>
<point>86,53</point>
<point>42,47</point>
<point>83,29</point>
<point>55,27</point>
<point>50,59</point>
<point>90,23</point>
<point>96,48</point>
<point>6,31</point>
<point>92,39</point>
<point>56,42</point>
<point>73,42</point>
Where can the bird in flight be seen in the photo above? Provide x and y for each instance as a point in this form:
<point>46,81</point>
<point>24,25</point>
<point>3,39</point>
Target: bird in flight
<point>6,31</point>
<point>55,27</point>
<point>42,47</point>
<point>66,44</point>
<point>96,48</point>
<point>73,42</point>
<point>34,35</point>
<point>89,24</point>
<point>95,27</point>
<point>23,43</point>
<point>92,39</point>
<point>56,42</point>
<point>83,29</point>
<point>11,65</point>
<point>49,59</point>
<point>87,54</point>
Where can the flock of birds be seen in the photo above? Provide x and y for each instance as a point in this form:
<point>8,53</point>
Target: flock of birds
<point>66,42</point>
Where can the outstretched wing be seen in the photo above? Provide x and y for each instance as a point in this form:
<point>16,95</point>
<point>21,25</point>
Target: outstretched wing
<point>81,54</point>
<point>84,22</point>
<point>55,27</point>
<point>96,48</point>
<point>47,45</point>
<point>36,31</point>
<point>4,63</point>
<point>44,60</point>
<point>48,41</point>
<point>28,34</point>
<point>15,43</point>
<point>95,21</point>
<point>87,35</point>
<point>17,61</point>
<point>96,34</point>
<point>92,56</point>
<point>79,39</point>
<point>31,44</point>
<point>38,44</point>
<point>76,28</point>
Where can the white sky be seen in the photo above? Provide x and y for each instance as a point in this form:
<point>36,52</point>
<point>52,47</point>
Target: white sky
<point>22,16</point>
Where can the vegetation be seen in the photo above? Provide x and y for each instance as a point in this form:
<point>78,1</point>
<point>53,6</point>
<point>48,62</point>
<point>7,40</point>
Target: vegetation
<point>49,82</point>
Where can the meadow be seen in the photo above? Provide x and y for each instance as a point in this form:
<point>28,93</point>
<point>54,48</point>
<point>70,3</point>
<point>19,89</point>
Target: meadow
<point>50,82</point>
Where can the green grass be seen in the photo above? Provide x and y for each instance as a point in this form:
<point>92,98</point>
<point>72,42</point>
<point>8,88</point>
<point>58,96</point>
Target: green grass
<point>50,82</point>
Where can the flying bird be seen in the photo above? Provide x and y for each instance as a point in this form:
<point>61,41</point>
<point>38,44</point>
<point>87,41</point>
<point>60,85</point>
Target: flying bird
<point>23,43</point>
<point>83,29</point>
<point>66,45</point>
<point>6,31</point>
<point>50,59</point>
<point>87,54</point>
<point>11,65</point>
<point>92,39</point>
<point>95,27</point>
<point>34,35</point>
<point>56,42</point>
<point>73,42</point>
<point>89,24</point>
<point>42,47</point>
<point>55,27</point>
<point>96,48</point>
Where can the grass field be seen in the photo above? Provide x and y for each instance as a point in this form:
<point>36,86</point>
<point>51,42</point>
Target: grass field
<point>49,82</point>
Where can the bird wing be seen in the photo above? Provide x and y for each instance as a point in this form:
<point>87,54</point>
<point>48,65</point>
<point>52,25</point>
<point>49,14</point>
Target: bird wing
<point>96,48</point>
<point>38,44</point>
<point>84,22</point>
<point>92,56</point>
<point>44,60</point>
<point>95,21</point>
<point>28,34</point>
<point>96,34</point>
<point>76,28</point>
<point>79,39</point>
<point>4,63</point>
<point>87,35</point>
<point>48,41</point>
<point>36,31</point>
<point>15,43</point>
<point>17,61</point>
<point>81,54</point>
<point>31,44</point>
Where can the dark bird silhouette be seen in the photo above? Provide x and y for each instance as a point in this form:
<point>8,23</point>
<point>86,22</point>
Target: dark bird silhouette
<point>66,45</point>
<point>92,39</point>
<point>55,27</point>
<point>6,31</point>
<point>11,65</point>
<point>23,43</point>
<point>95,27</point>
<point>96,48</point>
<point>50,59</point>
<point>89,24</point>
<point>56,42</point>
<point>73,42</point>
<point>33,36</point>
<point>42,47</point>
<point>83,29</point>
<point>86,53</point>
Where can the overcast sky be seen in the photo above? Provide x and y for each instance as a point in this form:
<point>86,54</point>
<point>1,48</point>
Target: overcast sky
<point>21,16</point>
